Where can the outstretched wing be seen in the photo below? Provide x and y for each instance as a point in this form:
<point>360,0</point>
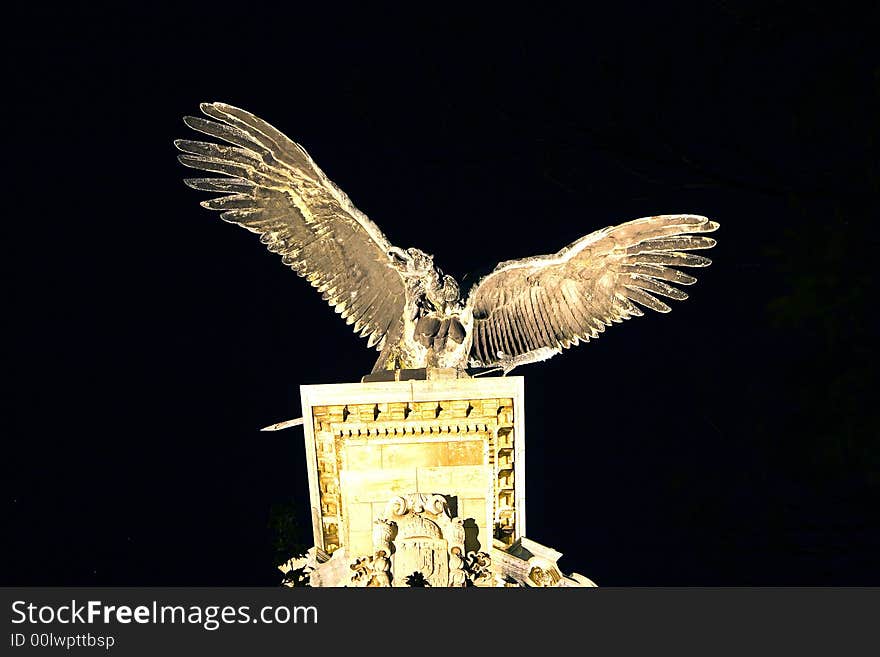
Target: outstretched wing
<point>530,309</point>
<point>274,189</point>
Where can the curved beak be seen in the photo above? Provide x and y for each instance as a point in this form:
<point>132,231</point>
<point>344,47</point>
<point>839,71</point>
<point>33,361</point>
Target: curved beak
<point>399,258</point>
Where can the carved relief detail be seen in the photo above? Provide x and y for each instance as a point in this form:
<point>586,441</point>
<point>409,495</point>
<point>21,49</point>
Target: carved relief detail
<point>479,568</point>
<point>542,578</point>
<point>420,540</point>
<point>328,474</point>
<point>383,534</point>
<point>422,544</point>
<point>489,420</point>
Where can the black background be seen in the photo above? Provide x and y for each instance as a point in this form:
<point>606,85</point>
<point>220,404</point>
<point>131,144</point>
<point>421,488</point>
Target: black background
<point>731,442</point>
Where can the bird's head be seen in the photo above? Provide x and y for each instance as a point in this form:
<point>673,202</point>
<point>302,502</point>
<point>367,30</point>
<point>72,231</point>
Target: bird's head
<point>411,262</point>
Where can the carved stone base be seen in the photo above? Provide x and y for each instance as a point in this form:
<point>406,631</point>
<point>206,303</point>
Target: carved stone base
<point>420,482</point>
<point>420,543</point>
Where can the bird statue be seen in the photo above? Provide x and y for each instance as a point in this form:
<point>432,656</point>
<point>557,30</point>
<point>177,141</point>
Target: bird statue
<point>522,312</point>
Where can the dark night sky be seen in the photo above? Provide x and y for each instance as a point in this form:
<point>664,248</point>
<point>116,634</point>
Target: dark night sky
<point>731,442</point>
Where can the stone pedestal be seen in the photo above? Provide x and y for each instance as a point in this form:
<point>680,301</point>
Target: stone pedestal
<point>420,483</point>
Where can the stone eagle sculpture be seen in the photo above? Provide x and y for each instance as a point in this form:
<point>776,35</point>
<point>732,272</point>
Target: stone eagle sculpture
<point>522,312</point>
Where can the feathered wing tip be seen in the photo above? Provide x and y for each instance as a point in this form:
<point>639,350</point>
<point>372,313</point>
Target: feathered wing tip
<point>270,186</point>
<point>653,247</point>
<point>554,302</point>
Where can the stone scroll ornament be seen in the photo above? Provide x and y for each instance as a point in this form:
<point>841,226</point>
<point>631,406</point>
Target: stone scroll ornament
<point>524,311</point>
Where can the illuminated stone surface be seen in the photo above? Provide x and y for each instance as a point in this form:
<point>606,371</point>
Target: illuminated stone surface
<point>420,478</point>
